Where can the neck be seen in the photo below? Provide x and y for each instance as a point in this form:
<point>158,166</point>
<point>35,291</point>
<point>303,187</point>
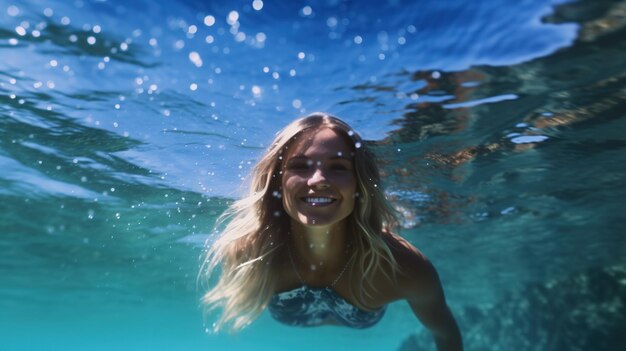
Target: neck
<point>320,247</point>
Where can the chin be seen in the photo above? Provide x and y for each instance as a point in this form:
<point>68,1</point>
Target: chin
<point>318,221</point>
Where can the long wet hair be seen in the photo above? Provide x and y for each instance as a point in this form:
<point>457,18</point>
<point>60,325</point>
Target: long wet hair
<point>257,228</point>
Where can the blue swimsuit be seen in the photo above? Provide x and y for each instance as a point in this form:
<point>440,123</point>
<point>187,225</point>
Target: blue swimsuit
<point>307,307</point>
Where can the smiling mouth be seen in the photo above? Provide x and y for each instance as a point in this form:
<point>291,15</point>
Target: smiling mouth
<point>318,201</point>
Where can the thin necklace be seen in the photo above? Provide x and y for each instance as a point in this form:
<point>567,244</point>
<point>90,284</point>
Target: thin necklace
<point>293,264</point>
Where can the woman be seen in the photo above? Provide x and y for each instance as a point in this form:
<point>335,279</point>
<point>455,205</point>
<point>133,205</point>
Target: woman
<point>313,241</point>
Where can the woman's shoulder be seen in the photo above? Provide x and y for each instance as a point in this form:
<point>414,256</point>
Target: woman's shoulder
<point>416,272</point>
<point>402,249</point>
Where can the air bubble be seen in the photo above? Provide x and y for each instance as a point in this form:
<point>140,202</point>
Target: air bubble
<point>233,16</point>
<point>20,31</point>
<point>307,10</point>
<point>209,21</point>
<point>13,11</point>
<point>195,58</point>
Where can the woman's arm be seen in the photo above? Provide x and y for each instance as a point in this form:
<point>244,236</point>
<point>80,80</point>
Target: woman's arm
<point>422,289</point>
<point>429,305</point>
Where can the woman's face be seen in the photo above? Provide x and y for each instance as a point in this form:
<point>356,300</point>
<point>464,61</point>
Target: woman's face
<point>318,180</point>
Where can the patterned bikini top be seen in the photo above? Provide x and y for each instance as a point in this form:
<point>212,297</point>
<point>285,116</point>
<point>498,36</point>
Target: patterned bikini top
<point>309,306</point>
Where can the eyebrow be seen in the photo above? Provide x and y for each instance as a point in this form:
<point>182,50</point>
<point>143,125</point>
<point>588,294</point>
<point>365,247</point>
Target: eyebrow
<point>331,158</point>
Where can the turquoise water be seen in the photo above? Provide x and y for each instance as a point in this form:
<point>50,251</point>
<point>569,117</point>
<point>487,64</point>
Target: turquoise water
<point>127,128</point>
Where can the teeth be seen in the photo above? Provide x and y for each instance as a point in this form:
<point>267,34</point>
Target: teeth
<point>318,200</point>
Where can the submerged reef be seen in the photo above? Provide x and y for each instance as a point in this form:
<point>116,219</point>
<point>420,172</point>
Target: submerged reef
<point>573,90</point>
<point>586,311</point>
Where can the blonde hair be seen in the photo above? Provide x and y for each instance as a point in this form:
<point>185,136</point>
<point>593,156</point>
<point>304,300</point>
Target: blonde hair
<point>246,249</point>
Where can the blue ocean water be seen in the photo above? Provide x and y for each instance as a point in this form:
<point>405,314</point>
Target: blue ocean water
<point>126,128</point>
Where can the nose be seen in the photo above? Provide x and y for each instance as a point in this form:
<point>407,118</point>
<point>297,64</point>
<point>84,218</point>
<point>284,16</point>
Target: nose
<point>318,179</point>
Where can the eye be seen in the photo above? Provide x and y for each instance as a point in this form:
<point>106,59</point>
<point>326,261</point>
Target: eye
<point>340,166</point>
<point>296,165</point>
